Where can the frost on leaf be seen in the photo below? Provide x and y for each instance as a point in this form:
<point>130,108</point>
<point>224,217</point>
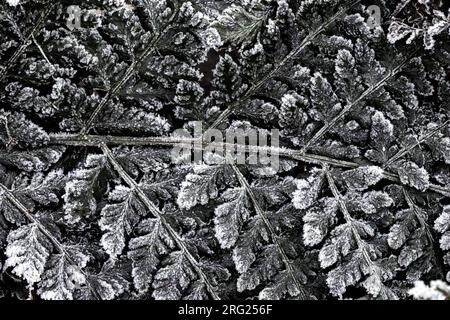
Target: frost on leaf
<point>162,185</point>
<point>265,268</point>
<point>341,243</point>
<point>171,281</point>
<point>382,135</point>
<point>363,177</point>
<point>398,31</point>
<point>428,28</point>
<point>13,2</point>
<point>63,275</point>
<point>252,239</point>
<point>436,290</point>
<point>16,129</point>
<point>227,81</point>
<point>348,274</point>
<point>237,25</point>
<point>273,192</point>
<point>28,251</point>
<point>118,219</point>
<point>347,77</point>
<point>9,211</point>
<point>401,230</point>
<point>145,250</point>
<point>323,98</point>
<point>412,175</point>
<point>412,235</point>
<point>363,107</point>
<point>108,284</point>
<point>204,184</point>
<point>40,190</point>
<point>188,98</point>
<point>368,202</point>
<point>413,251</point>
<point>146,160</point>
<point>442,225</point>
<point>318,219</point>
<point>124,120</point>
<point>230,217</point>
<point>79,197</point>
<point>261,263</point>
<point>32,160</point>
<point>355,259</point>
<point>282,286</point>
<point>308,190</point>
<point>440,146</point>
<point>293,117</point>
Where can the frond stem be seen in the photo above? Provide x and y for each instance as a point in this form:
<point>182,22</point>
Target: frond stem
<point>299,155</point>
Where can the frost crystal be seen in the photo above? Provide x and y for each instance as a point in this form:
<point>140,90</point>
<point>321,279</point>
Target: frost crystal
<point>437,290</point>
<point>13,2</point>
<point>109,189</point>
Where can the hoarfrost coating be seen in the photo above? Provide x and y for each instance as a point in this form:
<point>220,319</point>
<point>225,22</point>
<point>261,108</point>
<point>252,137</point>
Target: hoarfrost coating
<point>349,99</point>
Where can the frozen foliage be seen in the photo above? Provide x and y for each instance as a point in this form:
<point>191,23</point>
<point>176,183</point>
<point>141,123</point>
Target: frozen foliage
<point>442,225</point>
<point>145,249</point>
<point>434,22</point>
<point>27,251</point>
<point>437,290</point>
<point>93,204</point>
<point>308,190</point>
<point>13,2</point>
<point>63,275</point>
